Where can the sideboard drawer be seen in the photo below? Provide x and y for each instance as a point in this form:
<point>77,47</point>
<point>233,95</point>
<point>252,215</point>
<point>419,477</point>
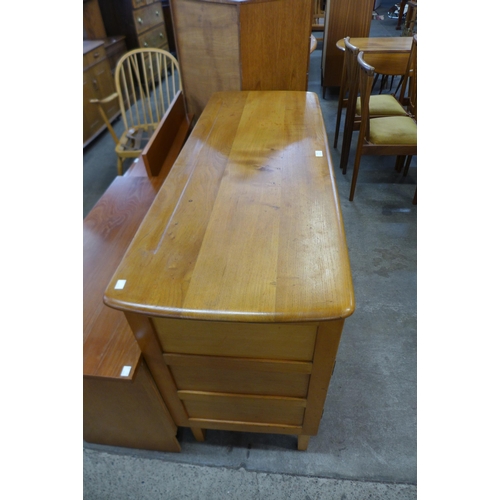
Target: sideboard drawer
<point>147,17</point>
<point>94,56</point>
<point>237,408</point>
<point>244,340</point>
<point>239,375</point>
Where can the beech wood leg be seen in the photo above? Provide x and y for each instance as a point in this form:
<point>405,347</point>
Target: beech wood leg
<point>407,165</point>
<point>303,443</point>
<point>119,165</point>
<point>199,434</point>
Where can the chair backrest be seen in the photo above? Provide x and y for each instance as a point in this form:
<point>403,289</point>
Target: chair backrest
<point>351,53</point>
<point>409,85</point>
<point>366,74</point>
<point>147,81</point>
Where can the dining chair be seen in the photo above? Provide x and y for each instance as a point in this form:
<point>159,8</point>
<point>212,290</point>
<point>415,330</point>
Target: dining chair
<point>380,104</point>
<point>146,82</point>
<point>390,135</point>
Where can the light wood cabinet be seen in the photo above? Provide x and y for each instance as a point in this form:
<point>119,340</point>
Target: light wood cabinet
<point>234,45</point>
<point>342,18</point>
<point>141,21</point>
<point>97,84</point>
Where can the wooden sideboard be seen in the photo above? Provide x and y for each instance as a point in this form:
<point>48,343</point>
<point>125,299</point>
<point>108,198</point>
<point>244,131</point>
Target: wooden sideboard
<point>97,84</point>
<point>342,18</point>
<point>141,21</point>
<point>235,45</point>
<point>238,282</point>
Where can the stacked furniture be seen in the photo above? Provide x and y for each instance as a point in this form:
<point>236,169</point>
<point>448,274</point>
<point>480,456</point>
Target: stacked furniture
<point>141,21</point>
<point>235,45</point>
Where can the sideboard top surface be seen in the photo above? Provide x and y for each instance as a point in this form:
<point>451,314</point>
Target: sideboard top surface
<point>247,226</point>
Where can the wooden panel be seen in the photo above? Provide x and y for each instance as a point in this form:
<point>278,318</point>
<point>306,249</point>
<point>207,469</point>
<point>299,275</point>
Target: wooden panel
<point>232,407</point>
<point>238,376</point>
<point>246,340</point>
<point>107,232</point>
<point>275,44</point>
<point>388,64</point>
<point>168,137</point>
<point>207,42</point>
<point>93,27</point>
<point>343,18</point>
<point>127,413</point>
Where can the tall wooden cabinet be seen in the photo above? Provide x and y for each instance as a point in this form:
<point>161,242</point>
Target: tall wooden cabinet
<point>97,84</point>
<point>141,21</point>
<point>342,18</point>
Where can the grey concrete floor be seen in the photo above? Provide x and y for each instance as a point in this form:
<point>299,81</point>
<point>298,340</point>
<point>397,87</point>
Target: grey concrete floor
<point>367,442</point>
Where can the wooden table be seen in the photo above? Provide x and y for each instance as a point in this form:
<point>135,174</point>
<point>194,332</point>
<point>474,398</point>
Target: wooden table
<point>238,282</point>
<point>380,44</point>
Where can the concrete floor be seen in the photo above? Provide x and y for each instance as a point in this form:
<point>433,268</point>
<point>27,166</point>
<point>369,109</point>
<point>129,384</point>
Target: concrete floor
<point>367,442</point>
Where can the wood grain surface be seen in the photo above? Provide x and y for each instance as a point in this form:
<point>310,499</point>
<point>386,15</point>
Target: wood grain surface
<point>247,227</point>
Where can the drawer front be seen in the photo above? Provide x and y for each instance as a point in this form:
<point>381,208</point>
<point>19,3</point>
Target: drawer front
<point>153,38</point>
<point>236,408</point>
<point>136,4</point>
<point>245,340</point>
<point>93,57</point>
<point>147,17</point>
<point>239,376</point>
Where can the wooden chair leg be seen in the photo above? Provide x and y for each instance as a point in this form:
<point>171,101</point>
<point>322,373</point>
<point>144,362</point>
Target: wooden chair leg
<point>399,163</point>
<point>407,165</point>
<point>414,201</point>
<point>119,165</point>
<point>355,173</point>
<point>339,118</point>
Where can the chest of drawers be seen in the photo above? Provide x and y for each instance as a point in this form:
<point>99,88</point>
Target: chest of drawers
<point>97,84</point>
<point>141,21</point>
<point>238,282</point>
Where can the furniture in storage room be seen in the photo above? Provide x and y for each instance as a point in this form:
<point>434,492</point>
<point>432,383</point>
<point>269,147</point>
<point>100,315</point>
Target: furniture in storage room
<point>238,281</point>
<point>342,18</point>
<point>241,45</point>
<point>141,21</point>
<point>97,84</point>
<point>121,404</point>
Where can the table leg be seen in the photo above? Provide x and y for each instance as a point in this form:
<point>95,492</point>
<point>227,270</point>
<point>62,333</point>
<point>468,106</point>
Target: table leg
<point>199,434</point>
<point>303,443</point>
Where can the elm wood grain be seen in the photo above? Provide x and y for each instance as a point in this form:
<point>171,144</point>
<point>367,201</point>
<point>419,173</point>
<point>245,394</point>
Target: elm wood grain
<point>234,45</point>
<point>107,232</point>
<point>278,341</point>
<point>135,416</point>
<point>238,375</point>
<point>266,210</point>
<point>244,408</point>
<point>245,237</point>
<point>342,18</point>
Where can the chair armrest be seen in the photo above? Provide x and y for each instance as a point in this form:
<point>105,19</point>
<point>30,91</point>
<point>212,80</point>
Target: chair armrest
<point>114,95</point>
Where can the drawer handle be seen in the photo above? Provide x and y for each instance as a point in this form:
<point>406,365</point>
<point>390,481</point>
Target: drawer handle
<point>139,20</point>
<point>161,35</point>
<point>96,86</point>
<point>96,55</point>
<point>146,44</point>
<point>157,13</point>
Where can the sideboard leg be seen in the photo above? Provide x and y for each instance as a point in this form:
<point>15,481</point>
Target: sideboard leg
<point>303,443</point>
<point>199,434</point>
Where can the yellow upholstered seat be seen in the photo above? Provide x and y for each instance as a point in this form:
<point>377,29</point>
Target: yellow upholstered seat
<point>393,135</point>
